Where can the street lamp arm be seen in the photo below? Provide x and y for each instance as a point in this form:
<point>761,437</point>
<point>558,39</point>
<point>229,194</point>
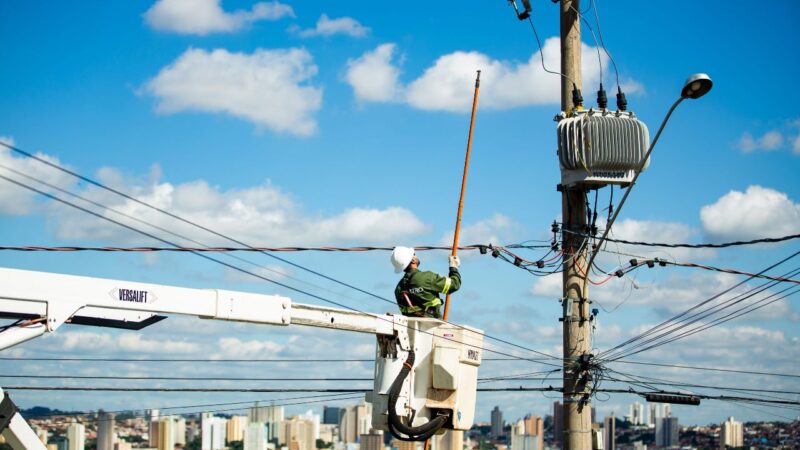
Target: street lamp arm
<point>630,186</point>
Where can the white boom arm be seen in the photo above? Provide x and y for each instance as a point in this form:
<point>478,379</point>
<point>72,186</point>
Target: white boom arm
<point>425,370</point>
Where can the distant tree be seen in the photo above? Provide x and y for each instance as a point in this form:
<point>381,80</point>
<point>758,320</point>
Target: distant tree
<point>194,444</point>
<point>323,444</point>
<point>236,445</point>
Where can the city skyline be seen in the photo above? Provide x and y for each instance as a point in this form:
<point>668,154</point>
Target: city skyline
<point>345,124</point>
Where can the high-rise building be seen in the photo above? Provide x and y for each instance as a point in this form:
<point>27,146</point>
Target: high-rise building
<point>271,416</point>
<point>152,420</point>
<point>651,418</point>
<point>255,436</point>
<point>41,433</point>
<point>76,436</point>
<point>105,430</point>
<point>328,432</point>
<point>636,413</point>
<point>558,422</point>
<point>497,423</point>
<point>524,434</point>
<point>314,419</point>
<point>667,432</point>
<point>330,415</point>
<point>297,433</point>
<point>667,410</point>
<point>732,434</point>
<point>610,433</point>
<point>236,426</point>
<point>534,426</point>
<point>355,421</point>
<point>372,441</point>
<point>179,436</point>
<point>213,433</point>
<point>166,433</point>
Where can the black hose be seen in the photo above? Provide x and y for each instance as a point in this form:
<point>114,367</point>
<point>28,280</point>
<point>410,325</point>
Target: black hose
<point>396,426</point>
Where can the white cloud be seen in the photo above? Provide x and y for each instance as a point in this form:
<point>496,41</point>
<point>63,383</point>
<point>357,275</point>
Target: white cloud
<point>93,342</point>
<point>796,146</point>
<point>498,229</point>
<point>207,16</point>
<point>649,231</point>
<point>448,84</point>
<point>373,76</point>
<point>678,292</point>
<point>771,140</point>
<point>16,200</point>
<point>329,27</point>
<point>273,272</point>
<point>262,215</point>
<point>267,87</point>
<point>756,213</point>
<point>234,348</point>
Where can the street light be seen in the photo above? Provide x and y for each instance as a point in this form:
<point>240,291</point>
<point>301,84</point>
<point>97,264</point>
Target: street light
<point>696,86</point>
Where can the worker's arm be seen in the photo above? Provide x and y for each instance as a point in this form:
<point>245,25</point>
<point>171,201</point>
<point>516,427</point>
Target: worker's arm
<point>444,285</point>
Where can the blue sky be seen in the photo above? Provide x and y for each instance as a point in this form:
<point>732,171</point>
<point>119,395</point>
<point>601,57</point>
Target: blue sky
<point>345,123</point>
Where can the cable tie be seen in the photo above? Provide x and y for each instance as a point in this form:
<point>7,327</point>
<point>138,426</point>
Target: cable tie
<point>517,261</point>
<point>619,273</point>
<point>650,264</point>
<point>634,262</point>
<point>540,264</point>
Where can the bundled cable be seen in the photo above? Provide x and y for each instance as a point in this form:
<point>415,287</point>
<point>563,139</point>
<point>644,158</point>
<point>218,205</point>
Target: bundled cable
<point>396,426</point>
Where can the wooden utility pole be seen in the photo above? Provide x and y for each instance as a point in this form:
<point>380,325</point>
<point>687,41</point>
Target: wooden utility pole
<point>577,410</point>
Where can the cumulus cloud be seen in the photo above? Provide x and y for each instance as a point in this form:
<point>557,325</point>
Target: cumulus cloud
<point>232,347</point>
<point>497,229</point>
<point>374,76</point>
<point>771,140</point>
<point>796,146</point>
<point>756,213</point>
<point>16,200</point>
<point>207,16</point>
<point>678,292</point>
<point>447,85</point>
<point>269,88</point>
<point>651,230</point>
<point>329,27</point>
<point>261,215</point>
<point>90,341</point>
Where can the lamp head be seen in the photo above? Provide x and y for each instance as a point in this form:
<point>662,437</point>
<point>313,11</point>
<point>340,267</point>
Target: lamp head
<point>696,86</point>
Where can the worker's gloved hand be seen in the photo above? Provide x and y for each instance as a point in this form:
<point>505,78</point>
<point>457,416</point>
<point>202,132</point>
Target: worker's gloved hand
<point>455,262</point>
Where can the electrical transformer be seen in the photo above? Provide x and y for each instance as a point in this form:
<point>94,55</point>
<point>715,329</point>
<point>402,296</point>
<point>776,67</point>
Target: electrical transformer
<point>600,147</point>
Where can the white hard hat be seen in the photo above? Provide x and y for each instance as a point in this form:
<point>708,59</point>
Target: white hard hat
<point>401,258</point>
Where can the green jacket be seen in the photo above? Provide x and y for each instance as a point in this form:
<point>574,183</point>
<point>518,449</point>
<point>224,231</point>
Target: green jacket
<point>422,290</point>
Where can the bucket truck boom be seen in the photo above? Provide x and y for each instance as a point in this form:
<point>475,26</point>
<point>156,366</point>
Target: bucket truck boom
<point>426,370</point>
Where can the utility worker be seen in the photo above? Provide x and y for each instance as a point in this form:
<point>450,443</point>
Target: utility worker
<point>417,293</point>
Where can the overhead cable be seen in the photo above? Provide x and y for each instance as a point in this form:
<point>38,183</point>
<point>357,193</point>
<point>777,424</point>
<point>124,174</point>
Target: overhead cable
<point>703,245</point>
<point>98,184</point>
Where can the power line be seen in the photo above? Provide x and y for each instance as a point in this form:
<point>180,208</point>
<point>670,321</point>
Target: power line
<point>703,245</point>
<point>39,248</point>
<point>674,319</point>
<point>708,312</point>
<point>276,360</point>
<point>88,180</point>
<point>239,269</point>
<point>713,369</point>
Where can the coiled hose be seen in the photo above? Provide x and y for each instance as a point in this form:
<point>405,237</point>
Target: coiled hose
<point>396,426</point>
